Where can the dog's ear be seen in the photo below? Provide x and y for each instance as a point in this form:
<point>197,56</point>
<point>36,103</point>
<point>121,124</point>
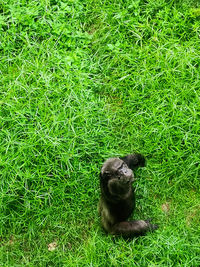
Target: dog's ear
<point>105,175</point>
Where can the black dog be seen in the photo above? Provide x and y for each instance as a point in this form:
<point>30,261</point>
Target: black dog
<point>117,200</point>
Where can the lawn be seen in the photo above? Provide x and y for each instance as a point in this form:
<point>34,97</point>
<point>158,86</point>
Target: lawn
<point>82,81</point>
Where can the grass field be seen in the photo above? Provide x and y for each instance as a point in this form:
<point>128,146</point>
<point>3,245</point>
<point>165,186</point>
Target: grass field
<point>82,81</point>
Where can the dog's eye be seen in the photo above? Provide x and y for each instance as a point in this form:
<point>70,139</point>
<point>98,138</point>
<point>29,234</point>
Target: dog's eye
<point>108,174</point>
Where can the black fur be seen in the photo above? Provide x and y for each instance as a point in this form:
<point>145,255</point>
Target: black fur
<point>117,200</point>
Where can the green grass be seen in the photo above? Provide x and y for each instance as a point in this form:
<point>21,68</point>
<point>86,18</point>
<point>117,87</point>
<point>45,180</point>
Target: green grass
<point>82,81</point>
